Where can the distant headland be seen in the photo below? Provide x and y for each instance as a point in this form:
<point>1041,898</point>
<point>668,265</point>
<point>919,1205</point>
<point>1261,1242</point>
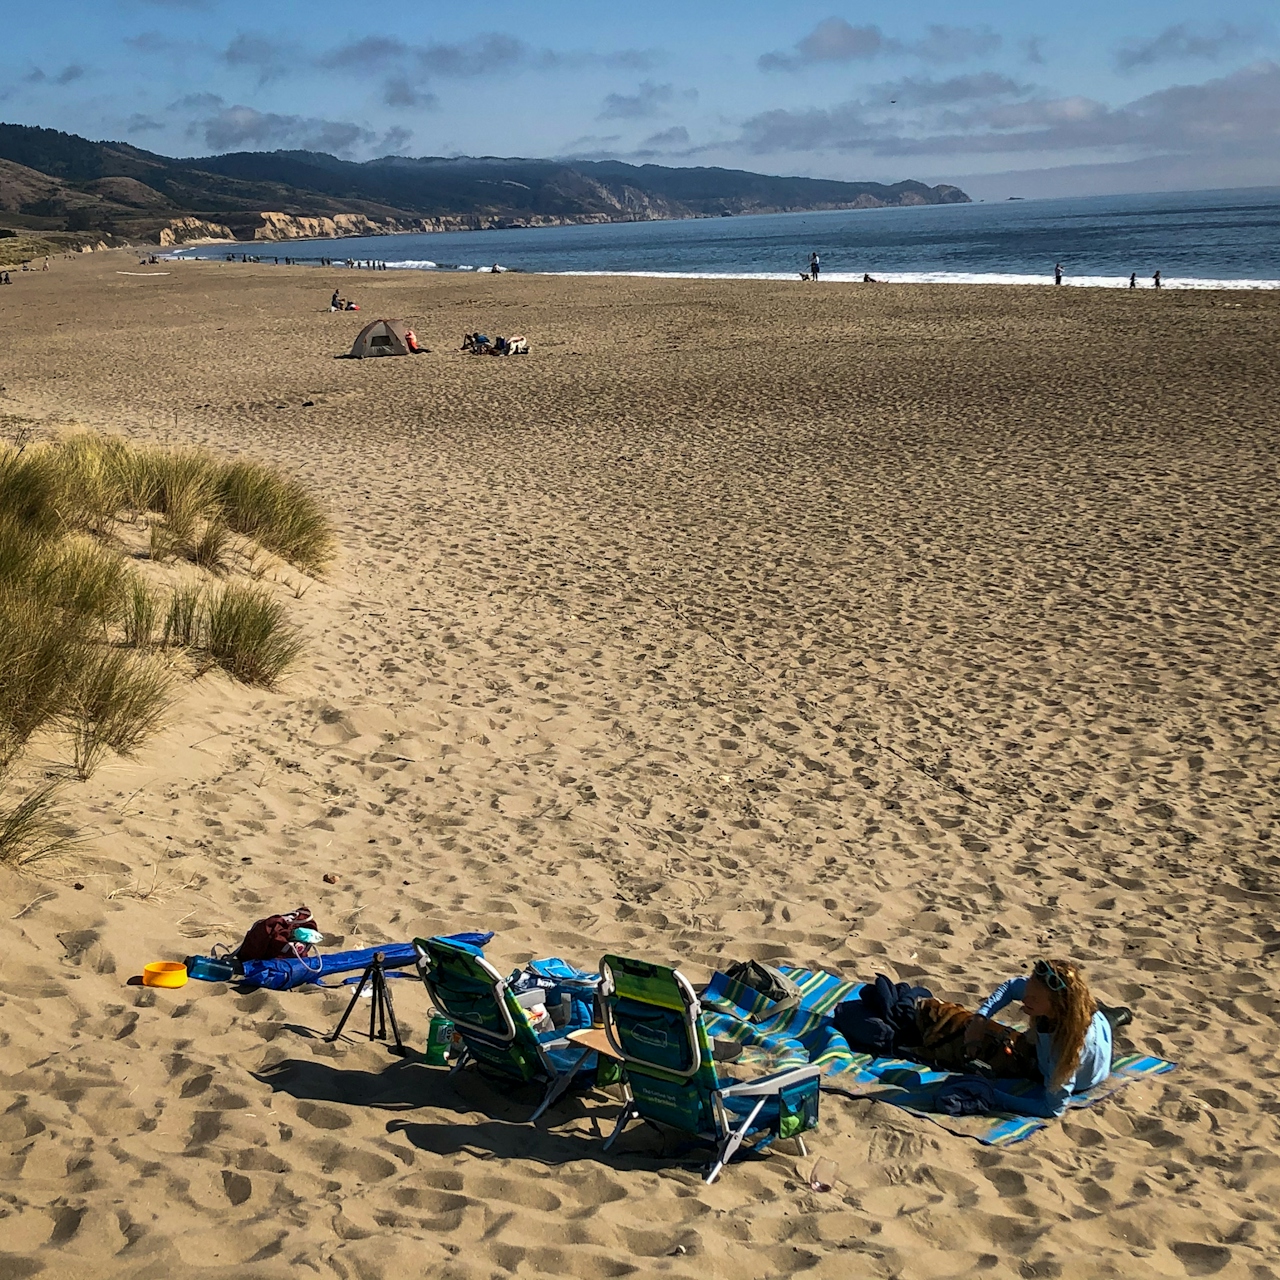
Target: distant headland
<point>70,192</point>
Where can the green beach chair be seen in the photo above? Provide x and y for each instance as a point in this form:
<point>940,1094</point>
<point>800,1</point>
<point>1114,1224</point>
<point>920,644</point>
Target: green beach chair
<point>653,1022</point>
<point>492,1023</point>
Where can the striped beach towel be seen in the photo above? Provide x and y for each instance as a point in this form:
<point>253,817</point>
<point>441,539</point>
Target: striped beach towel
<point>806,1034</point>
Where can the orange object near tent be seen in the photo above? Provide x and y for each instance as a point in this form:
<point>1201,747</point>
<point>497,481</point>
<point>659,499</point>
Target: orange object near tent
<point>384,338</point>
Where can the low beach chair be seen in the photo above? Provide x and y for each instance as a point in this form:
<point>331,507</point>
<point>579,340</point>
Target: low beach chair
<point>653,1023</point>
<point>496,1033</point>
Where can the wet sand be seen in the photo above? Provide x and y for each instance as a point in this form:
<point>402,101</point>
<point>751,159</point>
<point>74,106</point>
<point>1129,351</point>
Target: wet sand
<point>881,628</point>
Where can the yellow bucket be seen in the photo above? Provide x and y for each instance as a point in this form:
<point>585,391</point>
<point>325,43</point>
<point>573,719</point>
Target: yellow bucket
<point>164,973</point>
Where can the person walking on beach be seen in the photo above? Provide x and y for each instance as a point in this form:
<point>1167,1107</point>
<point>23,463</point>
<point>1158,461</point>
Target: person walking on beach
<point>1057,273</point>
<point>815,265</point>
<point>1133,280</point>
<point>1155,279</point>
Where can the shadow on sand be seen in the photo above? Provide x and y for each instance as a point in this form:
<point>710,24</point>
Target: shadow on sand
<point>505,1131</point>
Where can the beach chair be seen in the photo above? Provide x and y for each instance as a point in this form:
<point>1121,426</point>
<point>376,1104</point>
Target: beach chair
<point>491,1020</point>
<point>653,1023</point>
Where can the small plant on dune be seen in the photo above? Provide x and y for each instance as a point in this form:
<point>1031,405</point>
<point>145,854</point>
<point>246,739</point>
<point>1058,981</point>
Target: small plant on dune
<point>246,634</point>
<point>182,623</point>
<point>277,512</point>
<point>117,701</point>
<point>28,830</point>
<point>212,549</point>
<point>138,616</point>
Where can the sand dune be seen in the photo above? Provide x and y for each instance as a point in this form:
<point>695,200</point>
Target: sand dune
<point>904,629</point>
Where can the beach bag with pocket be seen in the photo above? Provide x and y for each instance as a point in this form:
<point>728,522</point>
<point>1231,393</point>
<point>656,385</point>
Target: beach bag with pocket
<point>268,939</point>
<point>779,990</point>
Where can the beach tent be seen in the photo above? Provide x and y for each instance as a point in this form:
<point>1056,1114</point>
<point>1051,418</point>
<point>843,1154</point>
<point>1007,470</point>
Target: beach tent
<point>381,338</point>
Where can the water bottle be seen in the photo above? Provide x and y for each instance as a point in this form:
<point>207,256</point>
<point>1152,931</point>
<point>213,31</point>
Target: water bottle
<point>439,1039</point>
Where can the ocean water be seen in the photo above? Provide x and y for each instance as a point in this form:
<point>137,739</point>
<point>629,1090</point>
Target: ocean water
<point>1201,239</point>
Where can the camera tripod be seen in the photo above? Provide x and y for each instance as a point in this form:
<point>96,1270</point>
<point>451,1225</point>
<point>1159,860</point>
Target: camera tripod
<point>381,1009</point>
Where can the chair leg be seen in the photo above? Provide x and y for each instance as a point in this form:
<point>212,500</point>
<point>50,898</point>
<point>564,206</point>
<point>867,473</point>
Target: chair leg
<point>733,1141</point>
<point>559,1085</point>
<point>804,1151</point>
<point>629,1113</point>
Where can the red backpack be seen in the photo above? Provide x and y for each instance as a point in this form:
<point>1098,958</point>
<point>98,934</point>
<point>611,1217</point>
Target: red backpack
<point>269,939</point>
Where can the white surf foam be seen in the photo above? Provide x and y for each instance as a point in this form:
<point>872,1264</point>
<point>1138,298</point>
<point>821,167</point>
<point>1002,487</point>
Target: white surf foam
<point>945,277</point>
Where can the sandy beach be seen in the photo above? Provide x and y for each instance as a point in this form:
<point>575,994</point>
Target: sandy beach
<point>906,629</point>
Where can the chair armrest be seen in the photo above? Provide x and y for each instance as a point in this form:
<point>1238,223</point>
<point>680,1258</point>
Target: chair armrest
<point>772,1084</point>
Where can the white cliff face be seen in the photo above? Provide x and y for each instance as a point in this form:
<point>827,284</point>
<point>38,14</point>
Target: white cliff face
<point>192,231</point>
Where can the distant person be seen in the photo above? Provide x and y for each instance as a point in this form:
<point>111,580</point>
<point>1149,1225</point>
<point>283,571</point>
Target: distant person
<point>867,279</point>
<point>335,303</point>
<point>1155,279</point>
<point>1133,280</point>
<point>1057,273</point>
<point>815,265</point>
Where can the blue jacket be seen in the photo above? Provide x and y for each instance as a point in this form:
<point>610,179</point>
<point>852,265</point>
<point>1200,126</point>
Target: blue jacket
<point>1092,1069</point>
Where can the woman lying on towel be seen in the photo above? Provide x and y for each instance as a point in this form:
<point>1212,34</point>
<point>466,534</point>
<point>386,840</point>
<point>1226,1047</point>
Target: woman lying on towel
<point>1072,1036</point>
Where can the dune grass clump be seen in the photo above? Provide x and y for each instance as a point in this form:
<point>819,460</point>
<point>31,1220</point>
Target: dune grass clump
<point>277,513</point>
<point>183,621</point>
<point>29,830</point>
<point>139,615</point>
<point>82,634</point>
<point>116,702</point>
<point>247,635</point>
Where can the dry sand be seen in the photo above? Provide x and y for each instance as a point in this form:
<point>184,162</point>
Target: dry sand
<point>912,629</point>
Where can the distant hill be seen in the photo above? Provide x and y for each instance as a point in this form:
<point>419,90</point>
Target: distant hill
<point>58,182</point>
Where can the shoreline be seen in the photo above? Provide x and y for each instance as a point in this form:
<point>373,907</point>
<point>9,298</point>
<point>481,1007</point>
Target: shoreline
<point>1175,283</point>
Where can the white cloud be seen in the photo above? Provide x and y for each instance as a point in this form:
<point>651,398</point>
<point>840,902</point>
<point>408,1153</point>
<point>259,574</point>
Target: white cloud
<point>1180,42</point>
<point>238,127</point>
<point>834,40</point>
<point>1238,113</point>
<point>648,100</point>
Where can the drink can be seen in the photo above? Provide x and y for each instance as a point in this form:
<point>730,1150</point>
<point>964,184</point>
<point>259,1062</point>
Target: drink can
<point>439,1040</point>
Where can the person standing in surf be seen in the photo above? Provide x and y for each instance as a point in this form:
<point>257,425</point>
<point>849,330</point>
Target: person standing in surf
<point>1155,279</point>
<point>1057,273</point>
<point>815,265</point>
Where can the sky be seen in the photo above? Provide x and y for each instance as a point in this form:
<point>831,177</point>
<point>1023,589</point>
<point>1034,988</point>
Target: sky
<point>1092,97</point>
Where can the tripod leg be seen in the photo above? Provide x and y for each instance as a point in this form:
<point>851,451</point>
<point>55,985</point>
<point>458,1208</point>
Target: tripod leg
<point>355,995</point>
<point>391,1013</point>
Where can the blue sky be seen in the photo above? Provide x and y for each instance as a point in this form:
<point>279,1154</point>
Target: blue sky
<point>1001,98</point>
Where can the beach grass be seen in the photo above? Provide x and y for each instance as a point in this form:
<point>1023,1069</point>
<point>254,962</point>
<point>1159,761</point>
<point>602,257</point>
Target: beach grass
<point>247,635</point>
<point>90,650</point>
<point>116,702</point>
<point>30,829</point>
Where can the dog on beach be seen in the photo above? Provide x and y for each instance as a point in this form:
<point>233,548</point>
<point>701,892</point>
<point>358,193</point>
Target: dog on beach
<point>954,1038</point>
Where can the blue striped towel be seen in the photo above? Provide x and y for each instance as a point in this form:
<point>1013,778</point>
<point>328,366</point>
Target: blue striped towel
<point>806,1034</point>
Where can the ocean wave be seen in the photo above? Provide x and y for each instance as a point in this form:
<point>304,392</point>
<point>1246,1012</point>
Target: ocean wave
<point>944,277</point>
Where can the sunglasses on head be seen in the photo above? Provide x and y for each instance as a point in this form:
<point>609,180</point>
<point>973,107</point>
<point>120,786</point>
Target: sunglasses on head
<point>1047,974</point>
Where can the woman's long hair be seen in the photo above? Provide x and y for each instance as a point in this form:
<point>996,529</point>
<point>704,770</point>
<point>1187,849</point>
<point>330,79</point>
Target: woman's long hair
<point>1073,1010</point>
